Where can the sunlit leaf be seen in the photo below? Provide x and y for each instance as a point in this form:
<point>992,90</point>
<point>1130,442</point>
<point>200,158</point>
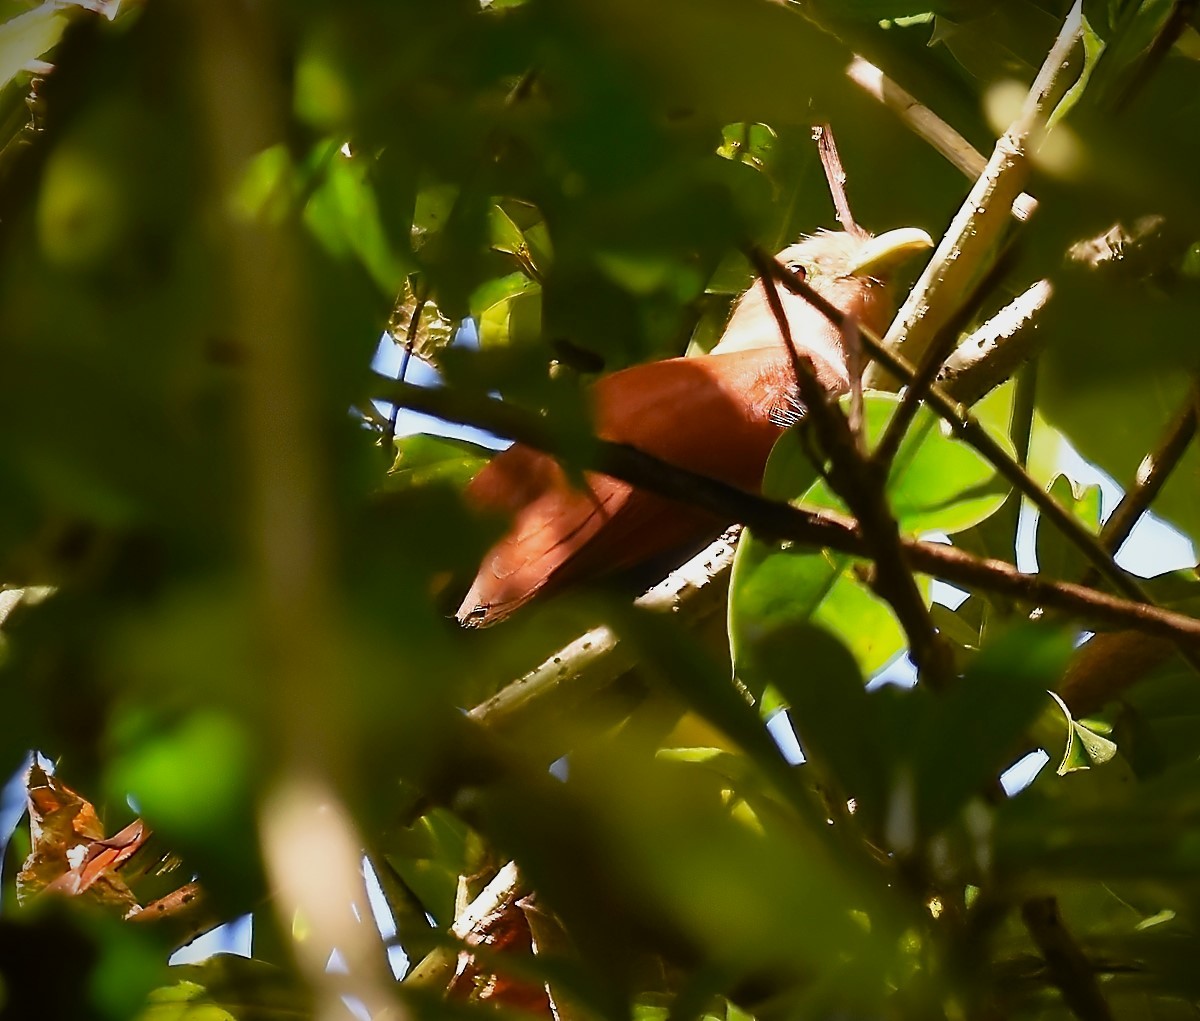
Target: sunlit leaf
<point>28,36</point>
<point>422,460</point>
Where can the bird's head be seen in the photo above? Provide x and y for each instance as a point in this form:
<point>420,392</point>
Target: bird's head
<point>850,270</point>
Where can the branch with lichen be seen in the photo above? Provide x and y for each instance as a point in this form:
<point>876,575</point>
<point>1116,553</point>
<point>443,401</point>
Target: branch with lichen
<point>993,352</point>
<point>972,243</point>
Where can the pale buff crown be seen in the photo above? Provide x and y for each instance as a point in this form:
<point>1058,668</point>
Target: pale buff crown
<point>833,264</point>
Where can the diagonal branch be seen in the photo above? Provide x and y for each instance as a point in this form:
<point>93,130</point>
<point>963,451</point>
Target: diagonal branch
<point>781,521</point>
<point>929,126</point>
<point>972,237</point>
<point>1182,12</point>
<point>917,387</point>
<point>1069,969</point>
<point>1152,474</point>
<point>996,349</point>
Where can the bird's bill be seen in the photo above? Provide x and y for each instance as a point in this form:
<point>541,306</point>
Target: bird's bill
<point>879,255</point>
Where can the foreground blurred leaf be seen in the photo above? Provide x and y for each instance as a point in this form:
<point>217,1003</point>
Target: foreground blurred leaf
<point>227,988</point>
<point>28,36</point>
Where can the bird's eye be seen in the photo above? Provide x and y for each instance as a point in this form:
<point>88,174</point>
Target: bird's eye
<point>797,270</point>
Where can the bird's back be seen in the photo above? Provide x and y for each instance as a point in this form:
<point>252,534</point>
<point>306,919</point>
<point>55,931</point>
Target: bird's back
<point>717,415</point>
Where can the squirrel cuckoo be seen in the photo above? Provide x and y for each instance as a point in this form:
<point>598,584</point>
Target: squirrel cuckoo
<point>717,414</point>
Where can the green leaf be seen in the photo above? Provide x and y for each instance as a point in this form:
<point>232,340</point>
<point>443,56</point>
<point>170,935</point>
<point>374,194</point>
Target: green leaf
<point>748,143</point>
<point>344,214</point>
<point>429,857</point>
<point>228,988</point>
<point>159,769</point>
<point>433,206</point>
<point>1056,556</point>
<point>936,483</point>
<point>424,460</point>
<point>774,587</point>
<point>508,310</point>
<point>518,229</point>
<point>780,585</point>
<point>1070,744</point>
<point>1114,397</point>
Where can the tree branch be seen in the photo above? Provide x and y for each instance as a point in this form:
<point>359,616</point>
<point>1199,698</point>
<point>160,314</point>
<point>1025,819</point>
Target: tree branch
<point>1070,970</point>
<point>928,125</point>
<point>860,482</point>
<point>835,174</point>
<point>1182,12</point>
<point>996,350</point>
<point>970,241</point>
<point>781,521</point>
<point>1152,474</point>
<point>577,672</point>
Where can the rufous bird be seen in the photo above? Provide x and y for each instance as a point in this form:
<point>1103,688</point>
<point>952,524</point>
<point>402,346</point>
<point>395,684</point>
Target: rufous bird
<point>717,414</point>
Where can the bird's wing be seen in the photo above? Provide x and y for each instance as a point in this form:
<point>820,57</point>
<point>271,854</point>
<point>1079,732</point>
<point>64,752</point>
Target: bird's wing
<point>712,415</point>
<point>547,532</point>
<point>513,479</point>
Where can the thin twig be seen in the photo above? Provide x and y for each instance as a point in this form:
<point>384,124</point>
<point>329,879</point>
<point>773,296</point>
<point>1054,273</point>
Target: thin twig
<point>835,174</point>
<point>1152,473</point>
<point>855,365</point>
<point>928,125</point>
<point>1179,19</point>
<point>774,520</point>
<point>1020,431</point>
<point>862,486</point>
<point>410,340</point>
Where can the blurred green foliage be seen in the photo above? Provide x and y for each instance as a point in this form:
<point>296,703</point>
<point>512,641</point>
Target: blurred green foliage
<point>580,177</point>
